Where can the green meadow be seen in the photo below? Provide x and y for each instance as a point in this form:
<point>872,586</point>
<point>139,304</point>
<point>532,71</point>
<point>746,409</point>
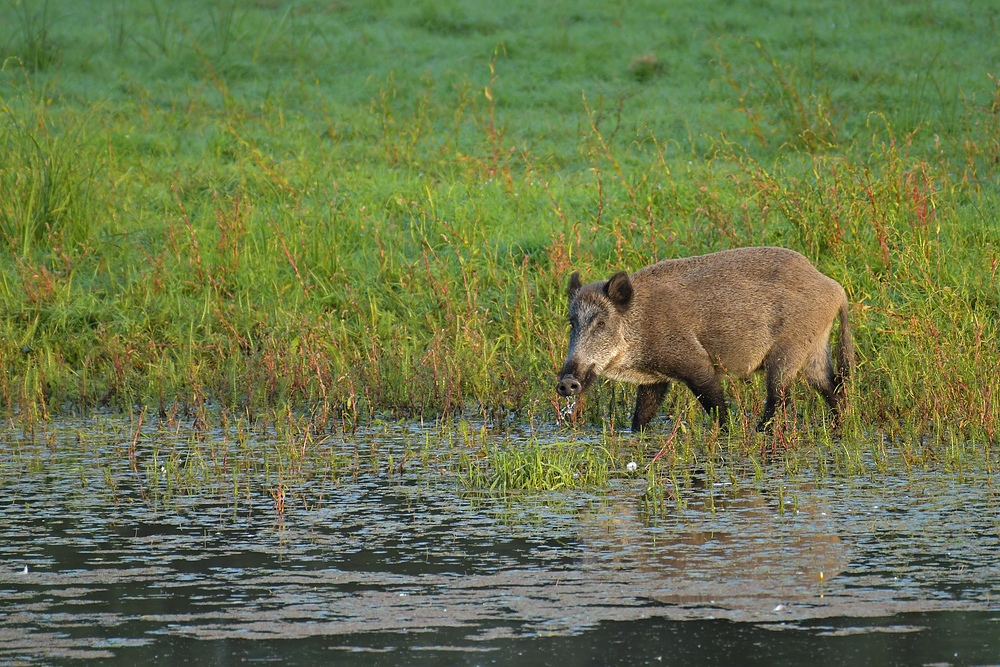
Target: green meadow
<point>360,211</point>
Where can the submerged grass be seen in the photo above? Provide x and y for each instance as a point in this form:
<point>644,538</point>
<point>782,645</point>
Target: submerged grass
<point>368,211</point>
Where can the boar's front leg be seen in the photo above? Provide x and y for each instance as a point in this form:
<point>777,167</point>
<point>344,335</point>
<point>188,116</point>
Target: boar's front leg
<point>647,402</point>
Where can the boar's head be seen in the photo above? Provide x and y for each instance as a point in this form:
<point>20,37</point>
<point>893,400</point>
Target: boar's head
<point>597,317</point>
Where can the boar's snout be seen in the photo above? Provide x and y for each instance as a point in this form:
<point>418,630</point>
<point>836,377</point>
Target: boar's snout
<point>569,386</point>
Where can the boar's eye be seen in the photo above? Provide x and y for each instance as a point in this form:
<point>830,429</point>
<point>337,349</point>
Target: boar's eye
<point>599,324</point>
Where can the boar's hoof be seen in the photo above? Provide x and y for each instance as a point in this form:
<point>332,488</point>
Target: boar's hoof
<point>569,386</point>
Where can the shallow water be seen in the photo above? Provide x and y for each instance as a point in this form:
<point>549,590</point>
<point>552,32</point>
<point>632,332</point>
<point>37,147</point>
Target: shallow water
<point>407,568</point>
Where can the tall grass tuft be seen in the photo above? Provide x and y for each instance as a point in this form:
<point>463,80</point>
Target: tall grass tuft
<point>49,193</point>
<point>31,42</point>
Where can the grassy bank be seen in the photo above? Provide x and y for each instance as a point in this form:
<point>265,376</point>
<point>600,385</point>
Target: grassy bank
<point>355,209</point>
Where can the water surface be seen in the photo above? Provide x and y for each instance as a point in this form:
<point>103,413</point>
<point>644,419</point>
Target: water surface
<point>100,562</point>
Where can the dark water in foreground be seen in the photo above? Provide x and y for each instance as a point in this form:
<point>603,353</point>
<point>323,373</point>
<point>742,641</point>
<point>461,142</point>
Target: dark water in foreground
<point>374,570</point>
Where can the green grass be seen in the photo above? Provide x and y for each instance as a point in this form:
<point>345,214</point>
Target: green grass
<point>353,210</point>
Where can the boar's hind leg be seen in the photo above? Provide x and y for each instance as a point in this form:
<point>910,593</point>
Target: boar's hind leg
<point>709,393</point>
<point>647,402</point>
<point>821,376</point>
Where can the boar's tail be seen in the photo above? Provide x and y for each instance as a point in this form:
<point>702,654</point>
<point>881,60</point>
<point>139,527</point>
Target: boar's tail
<point>845,362</point>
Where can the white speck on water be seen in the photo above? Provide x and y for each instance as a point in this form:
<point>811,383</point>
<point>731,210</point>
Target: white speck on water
<point>632,466</point>
<point>25,570</point>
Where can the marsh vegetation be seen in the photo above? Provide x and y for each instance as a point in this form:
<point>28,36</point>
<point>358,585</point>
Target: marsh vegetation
<point>241,212</point>
<point>371,210</point>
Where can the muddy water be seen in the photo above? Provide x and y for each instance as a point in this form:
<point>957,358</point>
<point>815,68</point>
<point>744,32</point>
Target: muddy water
<point>98,563</point>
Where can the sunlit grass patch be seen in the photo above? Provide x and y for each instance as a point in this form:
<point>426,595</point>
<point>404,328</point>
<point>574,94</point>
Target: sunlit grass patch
<point>536,466</point>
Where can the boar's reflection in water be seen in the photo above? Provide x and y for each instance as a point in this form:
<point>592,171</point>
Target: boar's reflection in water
<point>737,311</point>
<point>733,549</point>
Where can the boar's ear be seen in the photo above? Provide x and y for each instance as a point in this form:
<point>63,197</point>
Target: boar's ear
<point>619,290</point>
<point>574,285</point>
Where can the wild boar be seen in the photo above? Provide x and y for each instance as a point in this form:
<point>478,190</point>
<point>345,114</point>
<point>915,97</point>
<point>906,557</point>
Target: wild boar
<point>736,311</point>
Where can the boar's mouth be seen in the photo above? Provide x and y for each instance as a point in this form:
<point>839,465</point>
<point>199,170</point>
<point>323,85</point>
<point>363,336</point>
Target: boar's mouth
<point>573,383</point>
